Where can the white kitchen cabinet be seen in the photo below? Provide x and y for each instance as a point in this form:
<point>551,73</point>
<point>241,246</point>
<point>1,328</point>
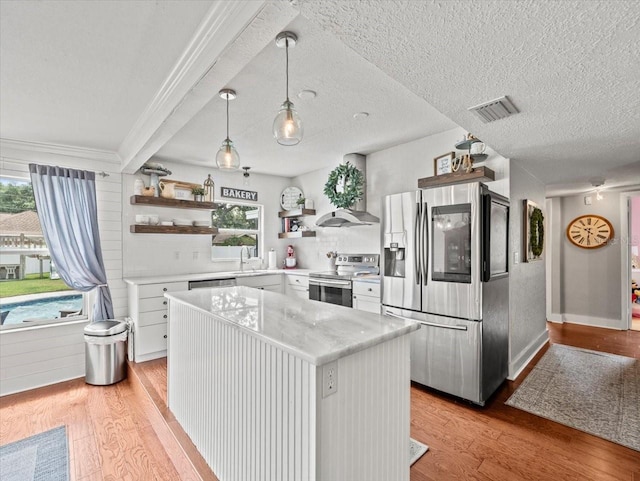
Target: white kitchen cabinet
<point>148,310</point>
<point>366,296</point>
<point>270,282</point>
<point>297,285</point>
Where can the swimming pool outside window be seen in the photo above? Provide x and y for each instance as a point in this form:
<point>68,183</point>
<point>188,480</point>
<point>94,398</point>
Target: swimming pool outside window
<point>31,292</point>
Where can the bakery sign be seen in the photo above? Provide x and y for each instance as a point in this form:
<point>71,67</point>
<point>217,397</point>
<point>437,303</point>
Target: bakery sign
<point>238,194</point>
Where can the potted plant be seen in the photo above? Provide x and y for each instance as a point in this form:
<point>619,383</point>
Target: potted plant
<point>198,194</point>
<point>300,202</point>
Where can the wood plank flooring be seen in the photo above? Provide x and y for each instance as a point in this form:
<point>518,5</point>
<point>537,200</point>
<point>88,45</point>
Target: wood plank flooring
<point>115,432</point>
<point>126,432</point>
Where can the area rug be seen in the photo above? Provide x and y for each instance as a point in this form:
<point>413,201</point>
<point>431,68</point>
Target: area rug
<point>594,392</point>
<point>43,457</point>
<point>416,450</point>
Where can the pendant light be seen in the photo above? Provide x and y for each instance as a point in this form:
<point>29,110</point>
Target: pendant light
<point>227,157</point>
<point>287,126</point>
<point>246,182</point>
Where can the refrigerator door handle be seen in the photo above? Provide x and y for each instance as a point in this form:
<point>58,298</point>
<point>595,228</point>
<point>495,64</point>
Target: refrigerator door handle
<point>424,249</point>
<point>417,244</point>
<point>457,327</point>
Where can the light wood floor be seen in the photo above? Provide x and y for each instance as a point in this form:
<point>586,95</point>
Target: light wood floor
<point>126,432</point>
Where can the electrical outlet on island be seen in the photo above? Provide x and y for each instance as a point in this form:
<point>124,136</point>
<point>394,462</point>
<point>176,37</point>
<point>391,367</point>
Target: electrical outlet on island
<point>329,379</point>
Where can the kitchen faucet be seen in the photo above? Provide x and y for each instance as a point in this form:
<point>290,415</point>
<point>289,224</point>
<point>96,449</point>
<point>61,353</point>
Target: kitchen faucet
<point>242,260</point>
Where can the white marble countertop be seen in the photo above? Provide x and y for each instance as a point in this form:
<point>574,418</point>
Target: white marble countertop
<point>212,275</point>
<point>317,332</point>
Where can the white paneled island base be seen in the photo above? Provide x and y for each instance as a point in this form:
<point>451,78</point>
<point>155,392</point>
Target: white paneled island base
<point>248,373</point>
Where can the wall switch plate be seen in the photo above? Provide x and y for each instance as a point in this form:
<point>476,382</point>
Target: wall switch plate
<point>587,200</point>
<point>516,257</point>
<point>329,379</point>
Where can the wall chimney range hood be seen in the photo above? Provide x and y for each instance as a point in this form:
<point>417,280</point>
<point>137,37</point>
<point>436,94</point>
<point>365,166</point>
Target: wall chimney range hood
<point>358,215</point>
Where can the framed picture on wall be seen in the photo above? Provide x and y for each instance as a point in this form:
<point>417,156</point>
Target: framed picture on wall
<point>533,231</point>
<point>443,163</point>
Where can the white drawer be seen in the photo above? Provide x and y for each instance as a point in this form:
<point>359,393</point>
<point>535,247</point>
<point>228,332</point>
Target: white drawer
<point>260,281</point>
<point>293,280</point>
<point>153,304</point>
<point>153,317</point>
<point>298,291</point>
<point>151,339</point>
<point>158,290</point>
<point>366,288</point>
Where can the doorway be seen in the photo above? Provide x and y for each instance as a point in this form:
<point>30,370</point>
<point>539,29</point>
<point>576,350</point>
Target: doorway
<point>634,252</point>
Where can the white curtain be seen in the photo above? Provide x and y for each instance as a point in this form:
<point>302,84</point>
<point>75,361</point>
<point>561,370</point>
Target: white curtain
<point>67,208</point>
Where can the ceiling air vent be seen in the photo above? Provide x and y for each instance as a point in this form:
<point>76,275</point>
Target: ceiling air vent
<point>494,110</point>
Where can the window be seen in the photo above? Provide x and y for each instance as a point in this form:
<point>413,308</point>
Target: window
<point>31,291</point>
<point>239,231</point>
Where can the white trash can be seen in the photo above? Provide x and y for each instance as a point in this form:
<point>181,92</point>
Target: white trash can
<point>105,347</point>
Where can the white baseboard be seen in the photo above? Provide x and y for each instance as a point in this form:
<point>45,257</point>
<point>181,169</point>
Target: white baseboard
<point>525,356</point>
<point>555,317</point>
<point>595,321</point>
<point>151,356</point>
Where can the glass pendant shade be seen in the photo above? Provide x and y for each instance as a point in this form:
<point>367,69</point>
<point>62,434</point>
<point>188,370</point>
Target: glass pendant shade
<point>227,157</point>
<point>287,126</point>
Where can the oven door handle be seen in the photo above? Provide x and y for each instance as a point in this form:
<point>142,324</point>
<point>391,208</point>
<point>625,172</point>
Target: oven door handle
<point>329,282</point>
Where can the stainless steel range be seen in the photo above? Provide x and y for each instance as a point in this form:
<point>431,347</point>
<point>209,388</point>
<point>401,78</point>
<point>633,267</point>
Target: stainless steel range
<point>335,286</point>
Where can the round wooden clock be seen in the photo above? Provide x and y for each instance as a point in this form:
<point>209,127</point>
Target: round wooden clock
<point>589,231</point>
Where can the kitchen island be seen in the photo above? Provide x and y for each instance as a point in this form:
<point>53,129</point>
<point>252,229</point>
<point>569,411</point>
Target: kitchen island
<point>271,387</point>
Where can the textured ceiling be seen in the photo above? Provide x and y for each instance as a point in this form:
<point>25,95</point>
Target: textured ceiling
<point>345,84</point>
<point>571,68</point>
<point>80,73</point>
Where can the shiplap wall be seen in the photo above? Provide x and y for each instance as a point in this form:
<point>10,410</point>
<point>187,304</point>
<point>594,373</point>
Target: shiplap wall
<point>43,355</point>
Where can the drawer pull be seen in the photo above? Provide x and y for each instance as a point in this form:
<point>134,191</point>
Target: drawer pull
<point>370,289</point>
<point>165,336</point>
<point>165,316</point>
<point>297,280</point>
<point>164,302</point>
<point>164,289</point>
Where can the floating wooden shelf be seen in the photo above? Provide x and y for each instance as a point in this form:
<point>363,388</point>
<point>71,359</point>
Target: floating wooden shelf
<point>296,235</point>
<point>479,174</point>
<point>171,229</point>
<point>174,203</point>
<point>296,212</point>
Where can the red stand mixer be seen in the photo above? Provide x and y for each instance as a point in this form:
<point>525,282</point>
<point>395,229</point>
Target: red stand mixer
<point>290,261</point>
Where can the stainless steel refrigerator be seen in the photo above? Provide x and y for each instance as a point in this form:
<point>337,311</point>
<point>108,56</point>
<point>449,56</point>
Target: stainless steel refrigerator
<point>445,265</point>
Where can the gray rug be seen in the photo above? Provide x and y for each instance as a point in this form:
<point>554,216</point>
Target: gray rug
<point>591,391</point>
<point>43,457</point>
<point>416,450</point>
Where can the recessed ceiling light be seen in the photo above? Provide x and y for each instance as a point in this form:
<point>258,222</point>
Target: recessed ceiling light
<point>307,94</point>
<point>361,115</point>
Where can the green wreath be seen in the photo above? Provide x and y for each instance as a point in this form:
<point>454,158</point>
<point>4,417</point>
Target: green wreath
<point>352,182</point>
<point>536,232</point>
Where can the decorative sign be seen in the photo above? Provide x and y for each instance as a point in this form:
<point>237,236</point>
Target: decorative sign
<point>232,193</point>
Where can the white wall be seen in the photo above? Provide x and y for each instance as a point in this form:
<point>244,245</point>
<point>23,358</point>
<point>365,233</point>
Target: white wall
<point>587,281</point>
<point>44,355</point>
<point>527,293</point>
<point>389,171</point>
<point>162,254</point>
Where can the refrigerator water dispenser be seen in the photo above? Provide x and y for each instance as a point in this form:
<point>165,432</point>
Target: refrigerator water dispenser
<point>394,260</point>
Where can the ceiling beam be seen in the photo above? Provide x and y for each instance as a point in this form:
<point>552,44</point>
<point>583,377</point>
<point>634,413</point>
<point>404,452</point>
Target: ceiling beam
<point>230,35</point>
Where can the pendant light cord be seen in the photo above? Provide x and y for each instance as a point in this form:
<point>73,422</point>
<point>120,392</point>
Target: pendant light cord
<point>287,55</point>
<point>227,116</point>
